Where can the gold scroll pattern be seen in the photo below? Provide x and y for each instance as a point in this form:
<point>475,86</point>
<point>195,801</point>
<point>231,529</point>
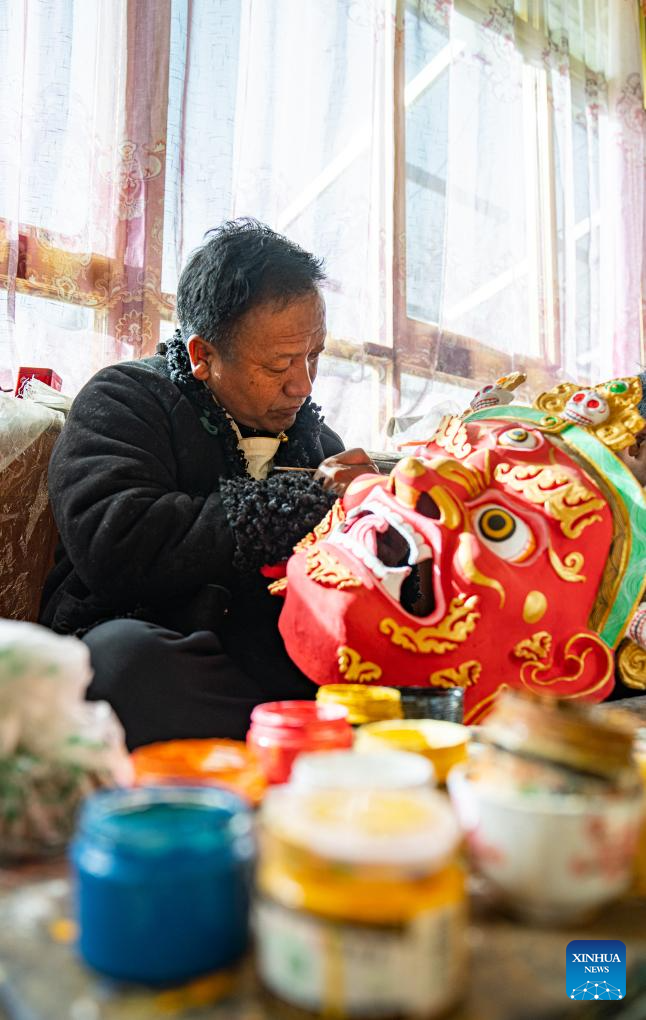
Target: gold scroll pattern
<point>355,669</point>
<point>323,568</point>
<point>563,496</point>
<point>465,675</point>
<point>460,621</point>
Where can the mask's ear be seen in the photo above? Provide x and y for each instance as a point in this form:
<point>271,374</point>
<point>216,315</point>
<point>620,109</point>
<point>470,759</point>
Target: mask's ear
<point>581,667</point>
<point>631,660</point>
<point>631,663</point>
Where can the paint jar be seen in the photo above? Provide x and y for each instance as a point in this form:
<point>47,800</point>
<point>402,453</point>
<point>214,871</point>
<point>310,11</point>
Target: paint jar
<point>361,902</point>
<point>372,770</point>
<point>227,763</point>
<point>281,730</point>
<point>364,704</point>
<point>551,807</point>
<point>443,743</point>
<point>162,879</point>
<point>433,703</point>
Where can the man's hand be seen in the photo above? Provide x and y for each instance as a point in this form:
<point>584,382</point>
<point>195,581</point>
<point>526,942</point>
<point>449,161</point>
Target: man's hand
<point>336,473</point>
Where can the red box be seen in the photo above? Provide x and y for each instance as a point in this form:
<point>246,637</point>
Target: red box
<point>46,375</point>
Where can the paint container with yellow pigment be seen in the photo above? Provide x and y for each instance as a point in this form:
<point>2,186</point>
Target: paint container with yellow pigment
<point>361,903</point>
<point>443,743</point>
<point>364,704</point>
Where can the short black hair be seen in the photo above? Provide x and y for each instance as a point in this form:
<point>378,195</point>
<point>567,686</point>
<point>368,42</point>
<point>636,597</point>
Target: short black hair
<point>242,264</point>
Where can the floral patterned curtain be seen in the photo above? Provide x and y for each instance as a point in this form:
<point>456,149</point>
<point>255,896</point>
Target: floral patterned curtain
<point>82,166</point>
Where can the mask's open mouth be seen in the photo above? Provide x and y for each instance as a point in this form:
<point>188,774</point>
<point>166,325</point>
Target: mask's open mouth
<point>395,553</point>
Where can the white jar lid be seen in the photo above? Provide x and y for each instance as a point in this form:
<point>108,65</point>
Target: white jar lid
<point>372,770</point>
<point>411,829</point>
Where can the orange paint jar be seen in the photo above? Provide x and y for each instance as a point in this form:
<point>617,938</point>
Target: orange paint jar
<point>227,763</point>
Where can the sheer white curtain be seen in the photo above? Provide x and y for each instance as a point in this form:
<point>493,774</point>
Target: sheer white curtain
<point>283,111</point>
<point>472,171</point>
<point>533,132</point>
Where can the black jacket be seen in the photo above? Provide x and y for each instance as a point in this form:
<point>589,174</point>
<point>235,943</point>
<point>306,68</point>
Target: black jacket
<point>133,483</point>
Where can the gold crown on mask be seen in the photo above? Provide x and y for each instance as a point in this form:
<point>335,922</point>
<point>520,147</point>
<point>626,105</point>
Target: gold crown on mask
<point>608,410</point>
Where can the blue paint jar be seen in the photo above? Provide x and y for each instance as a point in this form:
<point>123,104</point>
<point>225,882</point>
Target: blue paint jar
<point>162,882</point>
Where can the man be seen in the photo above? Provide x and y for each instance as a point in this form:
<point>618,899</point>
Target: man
<point>170,488</point>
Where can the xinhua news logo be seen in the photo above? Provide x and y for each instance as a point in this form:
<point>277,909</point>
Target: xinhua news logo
<point>596,969</point>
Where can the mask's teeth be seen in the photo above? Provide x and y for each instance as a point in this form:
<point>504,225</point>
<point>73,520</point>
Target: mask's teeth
<point>424,552</point>
<point>393,581</point>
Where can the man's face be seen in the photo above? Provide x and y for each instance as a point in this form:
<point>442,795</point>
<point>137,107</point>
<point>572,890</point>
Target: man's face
<point>269,372</point>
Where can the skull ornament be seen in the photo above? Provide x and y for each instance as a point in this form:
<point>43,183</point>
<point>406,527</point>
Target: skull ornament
<point>490,558</point>
<point>491,396</point>
<point>587,407</point>
<point>497,394</point>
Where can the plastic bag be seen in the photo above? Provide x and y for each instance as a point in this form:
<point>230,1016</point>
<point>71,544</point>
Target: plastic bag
<point>420,430</point>
<point>55,748</point>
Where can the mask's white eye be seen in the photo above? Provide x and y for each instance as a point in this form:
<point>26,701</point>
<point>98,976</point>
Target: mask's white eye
<point>504,533</point>
<point>518,439</point>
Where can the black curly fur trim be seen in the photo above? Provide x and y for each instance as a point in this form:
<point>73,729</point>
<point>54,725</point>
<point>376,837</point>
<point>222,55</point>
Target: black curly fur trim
<point>302,447</point>
<point>269,517</point>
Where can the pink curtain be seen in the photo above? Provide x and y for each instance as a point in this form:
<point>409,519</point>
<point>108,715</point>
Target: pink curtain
<point>82,169</point>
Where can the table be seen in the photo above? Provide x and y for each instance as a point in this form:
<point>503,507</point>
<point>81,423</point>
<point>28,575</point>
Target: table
<point>516,972</point>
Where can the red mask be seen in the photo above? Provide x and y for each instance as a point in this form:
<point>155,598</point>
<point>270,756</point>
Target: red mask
<point>482,561</point>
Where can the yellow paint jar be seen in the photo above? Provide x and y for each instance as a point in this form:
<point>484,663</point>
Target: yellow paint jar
<point>443,743</point>
<point>361,902</point>
<point>364,704</point>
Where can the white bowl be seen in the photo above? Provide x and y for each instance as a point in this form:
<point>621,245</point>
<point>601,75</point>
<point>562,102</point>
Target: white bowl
<point>550,857</point>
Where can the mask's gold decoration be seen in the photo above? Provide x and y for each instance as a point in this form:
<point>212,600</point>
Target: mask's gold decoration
<point>562,495</point>
<point>353,668</point>
<point>466,675</point>
<point>534,648</point>
<point>535,607</point>
<point>467,477</point>
<point>451,435</point>
<point>569,569</point>
<point>623,421</point>
<point>334,517</point>
<point>451,511</point>
<point>467,547</point>
<point>535,674</point>
<point>410,466</point>
<point>405,494</point>
<point>458,623</point>
<point>631,663</point>
<point>323,568</point>
<point>278,587</point>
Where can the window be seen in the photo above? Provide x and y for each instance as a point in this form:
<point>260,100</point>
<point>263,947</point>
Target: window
<point>453,160</point>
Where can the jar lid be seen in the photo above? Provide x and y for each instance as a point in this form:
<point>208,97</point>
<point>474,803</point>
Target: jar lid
<point>364,704</point>
<point>383,770</point>
<point>158,821</point>
<point>443,743</point>
<point>407,828</point>
<point>596,740</point>
<point>227,763</point>
<point>298,715</point>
